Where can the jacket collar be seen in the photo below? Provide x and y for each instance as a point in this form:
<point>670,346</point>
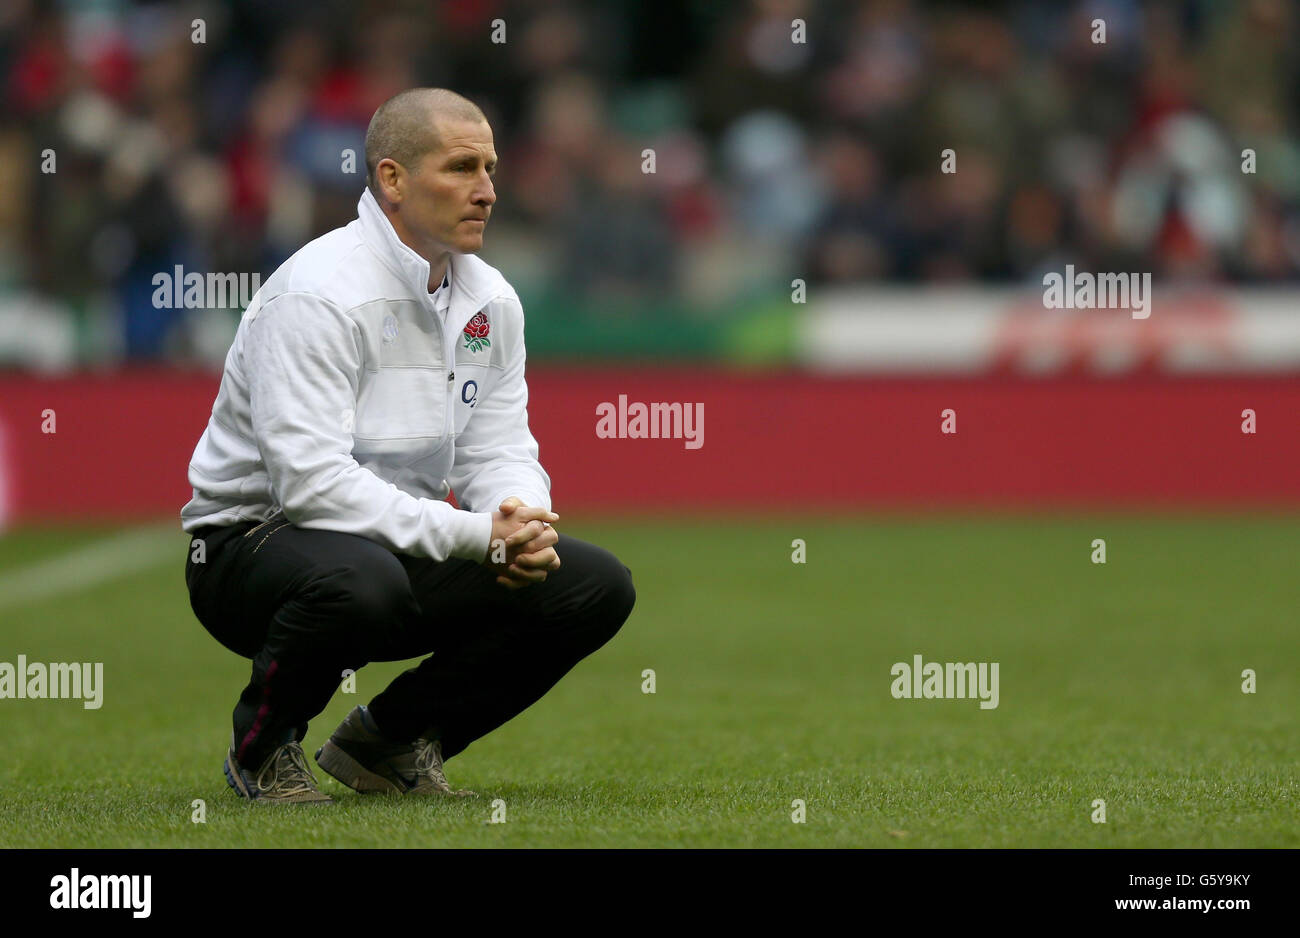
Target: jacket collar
<point>473,282</point>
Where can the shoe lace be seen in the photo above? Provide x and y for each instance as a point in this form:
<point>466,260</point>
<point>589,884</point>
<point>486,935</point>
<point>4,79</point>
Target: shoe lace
<point>428,761</point>
<point>288,771</point>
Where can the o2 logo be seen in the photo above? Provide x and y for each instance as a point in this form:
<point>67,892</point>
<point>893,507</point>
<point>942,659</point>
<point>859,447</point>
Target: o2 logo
<point>469,392</point>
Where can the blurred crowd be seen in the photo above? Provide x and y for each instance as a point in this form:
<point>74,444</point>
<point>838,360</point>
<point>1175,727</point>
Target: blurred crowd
<point>215,136</point>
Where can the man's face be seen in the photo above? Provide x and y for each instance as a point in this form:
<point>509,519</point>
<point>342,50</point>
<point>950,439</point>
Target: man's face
<point>450,195</point>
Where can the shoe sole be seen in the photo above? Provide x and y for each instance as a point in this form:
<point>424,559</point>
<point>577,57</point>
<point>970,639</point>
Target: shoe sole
<point>234,781</point>
<point>347,770</point>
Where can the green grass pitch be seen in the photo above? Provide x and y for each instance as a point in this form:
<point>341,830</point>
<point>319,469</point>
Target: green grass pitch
<point>1119,682</point>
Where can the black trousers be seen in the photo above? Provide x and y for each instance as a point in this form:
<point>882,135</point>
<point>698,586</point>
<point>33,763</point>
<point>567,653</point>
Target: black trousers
<point>305,605</point>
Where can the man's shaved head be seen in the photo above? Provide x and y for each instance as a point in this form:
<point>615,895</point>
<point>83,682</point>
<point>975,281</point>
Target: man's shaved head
<point>405,127</point>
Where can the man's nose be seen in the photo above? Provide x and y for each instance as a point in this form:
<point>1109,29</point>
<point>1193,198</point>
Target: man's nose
<point>485,193</point>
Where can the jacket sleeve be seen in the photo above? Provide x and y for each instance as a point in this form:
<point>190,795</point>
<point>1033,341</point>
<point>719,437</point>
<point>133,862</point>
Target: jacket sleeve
<point>496,455</point>
<point>304,359</point>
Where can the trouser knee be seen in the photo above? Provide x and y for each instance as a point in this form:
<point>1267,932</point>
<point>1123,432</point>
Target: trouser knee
<point>612,603</point>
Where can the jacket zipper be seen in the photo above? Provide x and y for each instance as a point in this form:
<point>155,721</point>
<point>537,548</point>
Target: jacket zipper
<point>450,362</point>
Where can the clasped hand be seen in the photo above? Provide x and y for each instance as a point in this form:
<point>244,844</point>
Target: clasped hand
<point>529,541</point>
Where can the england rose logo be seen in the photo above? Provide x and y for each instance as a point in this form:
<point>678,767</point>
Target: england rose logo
<point>476,333</point>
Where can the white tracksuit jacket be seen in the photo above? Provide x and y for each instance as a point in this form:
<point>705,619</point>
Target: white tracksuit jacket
<point>347,405</point>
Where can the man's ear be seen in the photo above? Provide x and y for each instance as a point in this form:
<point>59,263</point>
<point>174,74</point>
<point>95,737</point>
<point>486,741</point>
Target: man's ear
<point>390,179</point>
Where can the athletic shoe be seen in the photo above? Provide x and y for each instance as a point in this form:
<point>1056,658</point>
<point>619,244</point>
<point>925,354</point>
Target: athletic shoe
<point>367,762</point>
<point>282,779</point>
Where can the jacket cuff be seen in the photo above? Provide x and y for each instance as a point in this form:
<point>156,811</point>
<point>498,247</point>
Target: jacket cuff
<point>531,498</point>
<point>475,534</point>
